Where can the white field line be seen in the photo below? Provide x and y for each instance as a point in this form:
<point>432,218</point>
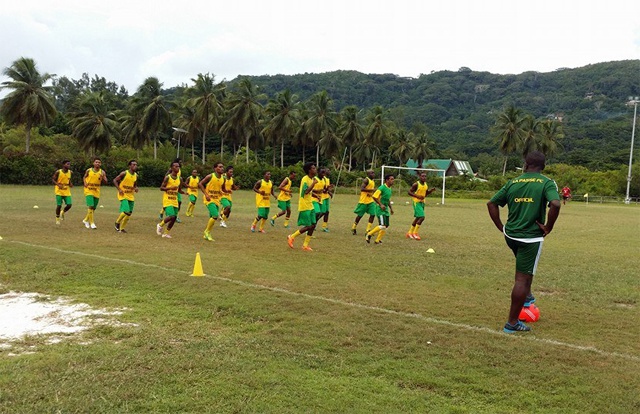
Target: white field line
<point>435,321</point>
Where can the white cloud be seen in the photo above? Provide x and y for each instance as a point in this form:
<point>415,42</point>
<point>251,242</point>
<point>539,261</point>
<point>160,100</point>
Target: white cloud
<point>127,41</point>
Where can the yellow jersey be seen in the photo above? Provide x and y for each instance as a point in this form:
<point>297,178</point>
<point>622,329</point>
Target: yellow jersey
<point>366,196</point>
<point>228,187</point>
<point>264,201</point>
<point>421,191</point>
<point>64,179</point>
<point>214,189</point>
<point>192,185</point>
<point>306,200</point>
<point>325,193</point>
<point>128,185</point>
<point>170,197</point>
<point>94,182</point>
<point>318,190</point>
<point>285,193</point>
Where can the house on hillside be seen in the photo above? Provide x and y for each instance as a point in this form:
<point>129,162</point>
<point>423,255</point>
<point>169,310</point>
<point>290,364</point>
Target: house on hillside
<point>453,168</point>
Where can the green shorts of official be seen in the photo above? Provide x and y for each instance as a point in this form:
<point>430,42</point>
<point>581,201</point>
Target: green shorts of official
<point>193,198</point>
<point>418,209</point>
<point>92,202</point>
<point>225,202</point>
<point>214,210</point>
<point>170,211</point>
<point>66,199</point>
<point>383,220</point>
<point>319,208</point>
<point>362,209</point>
<point>307,218</point>
<point>284,205</point>
<point>326,203</point>
<point>263,212</point>
<point>527,255</point>
<point>126,206</point>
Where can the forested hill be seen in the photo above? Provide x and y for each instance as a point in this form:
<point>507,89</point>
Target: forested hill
<point>460,107</point>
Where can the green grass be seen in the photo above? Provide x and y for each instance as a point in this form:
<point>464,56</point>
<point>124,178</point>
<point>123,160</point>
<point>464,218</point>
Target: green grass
<point>349,327</point>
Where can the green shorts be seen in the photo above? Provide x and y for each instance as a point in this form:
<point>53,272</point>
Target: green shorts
<point>66,199</point>
<point>418,209</point>
<point>263,212</point>
<point>179,197</point>
<point>319,208</point>
<point>284,205</point>
<point>383,220</point>
<point>225,202</point>
<point>92,202</point>
<point>527,255</point>
<point>193,198</point>
<point>306,218</point>
<point>214,211</point>
<point>362,209</point>
<point>170,211</point>
<point>325,204</point>
<point>126,206</point>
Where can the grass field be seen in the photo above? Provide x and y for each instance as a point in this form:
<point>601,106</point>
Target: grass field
<point>349,327</point>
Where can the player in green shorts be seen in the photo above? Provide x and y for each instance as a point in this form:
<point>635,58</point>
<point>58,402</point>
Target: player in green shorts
<point>365,203</point>
<point>527,197</point>
<point>418,192</point>
<point>62,189</point>
<point>306,212</point>
<point>284,199</point>
<point>384,209</point>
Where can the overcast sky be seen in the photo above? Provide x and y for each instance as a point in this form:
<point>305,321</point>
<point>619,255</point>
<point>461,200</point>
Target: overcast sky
<point>127,41</point>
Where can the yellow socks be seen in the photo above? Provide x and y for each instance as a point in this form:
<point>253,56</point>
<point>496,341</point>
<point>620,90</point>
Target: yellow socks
<point>262,221</point>
<point>296,234</point>
<point>120,218</point>
<point>416,228</point>
<point>307,240</point>
<point>369,225</point>
<point>124,222</point>
<point>210,225</point>
<point>373,231</point>
<point>380,235</point>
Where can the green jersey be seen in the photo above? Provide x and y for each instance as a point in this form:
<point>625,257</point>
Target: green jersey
<point>383,193</point>
<point>527,197</point>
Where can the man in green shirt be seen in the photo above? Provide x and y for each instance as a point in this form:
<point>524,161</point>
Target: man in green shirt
<point>527,197</point>
<point>384,209</point>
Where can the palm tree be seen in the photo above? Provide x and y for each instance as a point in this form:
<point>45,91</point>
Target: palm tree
<point>284,120</point>
<point>244,114</point>
<point>322,125</point>
<point>131,128</point>
<point>549,133</point>
<point>530,128</point>
<point>301,138</point>
<point>94,124</point>
<point>206,104</point>
<point>30,102</point>
<point>377,132</point>
<point>155,111</point>
<point>350,130</point>
<point>422,149</point>
<point>186,120</point>
<point>403,147</point>
<point>509,132</point>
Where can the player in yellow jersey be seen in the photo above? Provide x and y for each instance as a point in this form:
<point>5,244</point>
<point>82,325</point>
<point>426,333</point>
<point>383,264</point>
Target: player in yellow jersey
<point>226,201</point>
<point>306,211</point>
<point>326,197</point>
<point>62,188</point>
<point>127,184</point>
<point>179,161</point>
<point>192,191</point>
<point>284,199</point>
<point>366,204</point>
<point>316,194</point>
<point>171,186</point>
<point>93,179</point>
<point>211,186</point>
<point>418,192</point>
<point>384,209</point>
<point>264,190</point>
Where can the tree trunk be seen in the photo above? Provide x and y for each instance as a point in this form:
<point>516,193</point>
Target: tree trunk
<point>193,151</point>
<point>155,147</point>
<point>28,137</point>
<point>204,148</point>
<point>317,155</point>
<point>282,154</point>
<point>350,157</point>
<point>247,141</point>
<point>504,167</point>
<point>303,153</point>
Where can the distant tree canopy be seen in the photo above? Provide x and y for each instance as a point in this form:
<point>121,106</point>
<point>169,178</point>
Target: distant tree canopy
<point>576,116</point>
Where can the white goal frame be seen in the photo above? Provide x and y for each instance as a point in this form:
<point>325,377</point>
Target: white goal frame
<point>444,176</point>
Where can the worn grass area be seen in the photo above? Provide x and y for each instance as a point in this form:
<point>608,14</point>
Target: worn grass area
<point>349,327</point>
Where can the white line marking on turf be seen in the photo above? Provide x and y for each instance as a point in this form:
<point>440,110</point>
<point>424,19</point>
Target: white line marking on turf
<point>428,319</point>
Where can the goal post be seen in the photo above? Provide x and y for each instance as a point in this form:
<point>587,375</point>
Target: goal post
<point>444,177</point>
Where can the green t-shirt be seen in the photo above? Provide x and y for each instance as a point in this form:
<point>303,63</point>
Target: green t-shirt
<point>383,193</point>
<point>527,197</point>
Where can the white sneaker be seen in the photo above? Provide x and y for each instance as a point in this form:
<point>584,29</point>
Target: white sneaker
<point>223,224</point>
<point>166,236</point>
<point>93,226</point>
<point>158,230</point>
<point>86,223</point>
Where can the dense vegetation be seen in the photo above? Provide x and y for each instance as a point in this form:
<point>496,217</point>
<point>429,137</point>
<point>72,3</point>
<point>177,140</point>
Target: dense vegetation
<point>580,117</point>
